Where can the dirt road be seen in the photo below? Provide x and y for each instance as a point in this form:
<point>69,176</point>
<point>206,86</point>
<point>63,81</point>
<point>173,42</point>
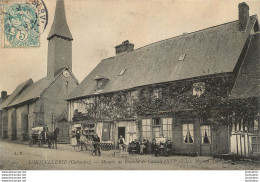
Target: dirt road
<point>18,156</point>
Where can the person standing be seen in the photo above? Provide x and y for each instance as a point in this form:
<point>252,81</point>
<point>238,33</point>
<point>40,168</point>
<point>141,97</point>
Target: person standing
<point>121,142</point>
<point>143,147</point>
<point>96,144</point>
<point>83,141</point>
<point>162,145</point>
<point>78,136</point>
<point>162,140</point>
<point>155,148</point>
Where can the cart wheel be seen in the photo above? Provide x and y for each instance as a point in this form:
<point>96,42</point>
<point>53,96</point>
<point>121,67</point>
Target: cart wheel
<point>77,148</point>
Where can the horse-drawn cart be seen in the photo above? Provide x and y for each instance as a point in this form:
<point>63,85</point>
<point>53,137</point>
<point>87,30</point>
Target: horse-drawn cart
<point>39,137</point>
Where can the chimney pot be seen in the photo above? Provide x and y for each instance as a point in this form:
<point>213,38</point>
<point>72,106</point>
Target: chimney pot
<point>126,46</point>
<point>3,94</point>
<point>243,15</point>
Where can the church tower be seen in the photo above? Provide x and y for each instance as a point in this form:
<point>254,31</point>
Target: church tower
<point>59,42</point>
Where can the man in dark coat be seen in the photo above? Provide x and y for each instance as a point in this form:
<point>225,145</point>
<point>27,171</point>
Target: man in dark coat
<point>155,148</point>
<point>96,144</point>
<point>78,136</point>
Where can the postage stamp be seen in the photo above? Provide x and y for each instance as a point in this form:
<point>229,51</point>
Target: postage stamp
<point>23,23</point>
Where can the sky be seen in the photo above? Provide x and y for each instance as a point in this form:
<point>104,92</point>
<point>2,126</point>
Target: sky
<point>97,26</point>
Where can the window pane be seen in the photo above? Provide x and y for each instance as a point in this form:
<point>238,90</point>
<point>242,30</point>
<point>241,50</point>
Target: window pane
<point>164,127</point>
<point>169,127</point>
<point>165,121</point>
<point>148,128</point>
<point>191,127</point>
<point>254,147</point>
<point>144,128</point>
<point>184,127</point>
<point>191,133</point>
<point>258,140</point>
<point>184,133</point>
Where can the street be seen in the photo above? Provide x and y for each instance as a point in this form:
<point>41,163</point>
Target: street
<point>15,156</point>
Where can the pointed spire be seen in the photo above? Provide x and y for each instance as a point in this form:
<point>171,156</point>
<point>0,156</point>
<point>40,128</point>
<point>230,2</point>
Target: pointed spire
<point>60,26</point>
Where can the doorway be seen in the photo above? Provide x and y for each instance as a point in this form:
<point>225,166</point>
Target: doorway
<point>205,135</point>
<point>63,126</point>
<point>121,131</point>
<point>13,126</point>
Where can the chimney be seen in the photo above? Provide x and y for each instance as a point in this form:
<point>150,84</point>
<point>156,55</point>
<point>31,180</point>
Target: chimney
<point>3,95</point>
<point>124,47</point>
<point>243,14</point>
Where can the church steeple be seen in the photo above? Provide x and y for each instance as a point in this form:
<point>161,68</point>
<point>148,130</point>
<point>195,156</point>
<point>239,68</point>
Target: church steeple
<point>60,26</point>
<point>60,42</point>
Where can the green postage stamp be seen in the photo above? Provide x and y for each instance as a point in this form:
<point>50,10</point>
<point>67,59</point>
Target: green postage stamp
<point>20,25</point>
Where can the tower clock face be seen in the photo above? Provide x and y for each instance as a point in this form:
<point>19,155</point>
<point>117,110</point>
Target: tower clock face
<point>66,73</point>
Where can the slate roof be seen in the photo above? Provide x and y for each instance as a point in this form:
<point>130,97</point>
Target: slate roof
<point>16,92</point>
<point>210,51</point>
<point>59,25</point>
<point>247,84</point>
<point>32,90</point>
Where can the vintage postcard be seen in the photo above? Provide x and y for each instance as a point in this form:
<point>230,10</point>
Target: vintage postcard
<point>129,85</point>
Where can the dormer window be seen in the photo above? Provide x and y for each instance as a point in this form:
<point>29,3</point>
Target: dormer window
<point>101,82</point>
<point>198,89</point>
<point>121,72</point>
<point>182,57</point>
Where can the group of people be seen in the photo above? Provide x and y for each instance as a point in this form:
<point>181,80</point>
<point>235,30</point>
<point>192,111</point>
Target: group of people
<point>161,147</point>
<point>92,141</point>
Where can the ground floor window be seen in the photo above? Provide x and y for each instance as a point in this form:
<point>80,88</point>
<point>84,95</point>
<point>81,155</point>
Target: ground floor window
<point>205,134</point>
<point>167,128</point>
<point>256,144</point>
<point>187,133</point>
<point>153,128</point>
<point>146,128</point>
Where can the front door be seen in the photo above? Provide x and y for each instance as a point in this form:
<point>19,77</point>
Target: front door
<point>121,131</point>
<point>205,137</point>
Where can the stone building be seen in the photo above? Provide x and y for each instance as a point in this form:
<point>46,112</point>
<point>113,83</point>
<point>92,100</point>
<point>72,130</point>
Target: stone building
<point>188,88</point>
<point>3,97</point>
<point>42,103</point>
